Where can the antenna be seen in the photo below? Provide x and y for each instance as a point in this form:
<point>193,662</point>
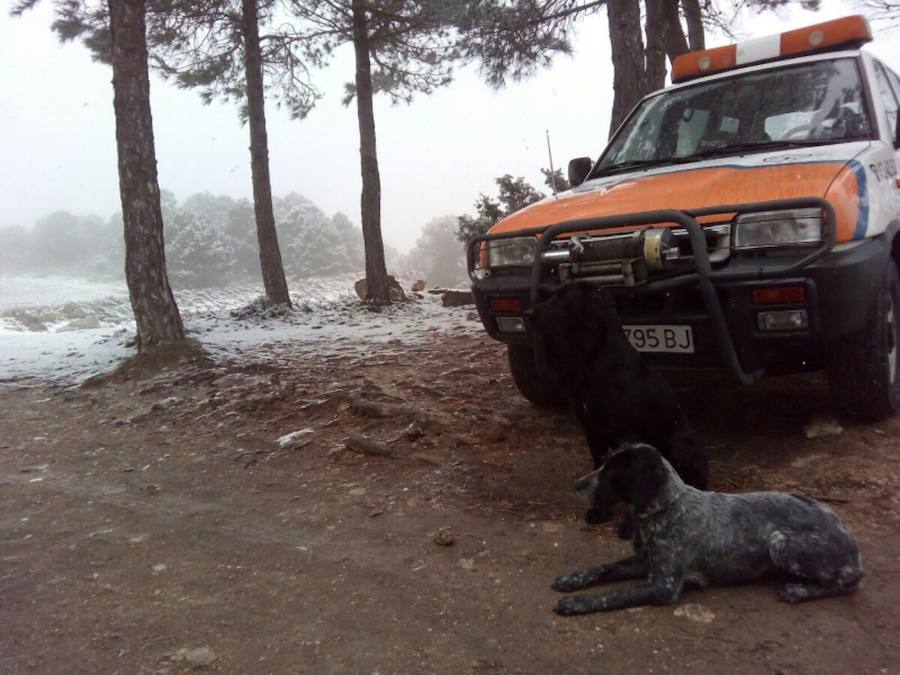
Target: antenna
<point>550,154</point>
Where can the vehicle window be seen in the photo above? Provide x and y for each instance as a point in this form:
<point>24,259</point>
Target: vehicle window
<point>814,102</point>
<point>887,96</point>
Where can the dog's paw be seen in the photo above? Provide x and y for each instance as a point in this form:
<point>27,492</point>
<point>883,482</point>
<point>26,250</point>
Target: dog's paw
<point>793,593</point>
<point>594,517</point>
<point>568,582</point>
<point>574,605</point>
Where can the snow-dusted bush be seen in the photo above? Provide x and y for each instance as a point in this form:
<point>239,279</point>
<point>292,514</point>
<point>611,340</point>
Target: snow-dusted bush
<point>210,241</point>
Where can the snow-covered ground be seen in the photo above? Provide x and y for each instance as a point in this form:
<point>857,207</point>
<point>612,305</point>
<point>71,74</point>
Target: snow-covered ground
<point>69,329</point>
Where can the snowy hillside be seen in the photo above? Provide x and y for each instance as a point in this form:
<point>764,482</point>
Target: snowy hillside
<point>68,329</point>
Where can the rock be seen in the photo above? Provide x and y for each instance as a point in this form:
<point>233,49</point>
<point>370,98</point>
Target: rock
<point>551,527</point>
<point>199,658</point>
<point>167,403</point>
<point>295,438</point>
<point>444,537</point>
<point>413,432</point>
<point>457,298</point>
<point>159,569</point>
<point>357,492</point>
<point>697,613</point>
<point>151,490</point>
<point>826,426</point>
<point>467,564</point>
<point>395,290</point>
<point>418,285</point>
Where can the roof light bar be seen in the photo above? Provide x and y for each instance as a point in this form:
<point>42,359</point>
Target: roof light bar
<point>849,31</point>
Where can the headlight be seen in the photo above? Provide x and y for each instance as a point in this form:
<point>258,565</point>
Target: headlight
<point>778,228</point>
<point>516,251</point>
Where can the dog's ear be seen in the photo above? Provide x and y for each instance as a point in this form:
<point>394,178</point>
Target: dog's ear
<point>647,478</point>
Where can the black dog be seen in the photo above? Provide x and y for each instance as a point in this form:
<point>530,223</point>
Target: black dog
<point>615,395</point>
<point>685,536</point>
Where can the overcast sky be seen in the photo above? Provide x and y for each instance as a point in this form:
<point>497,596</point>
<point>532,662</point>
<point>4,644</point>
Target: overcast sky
<point>57,140</point>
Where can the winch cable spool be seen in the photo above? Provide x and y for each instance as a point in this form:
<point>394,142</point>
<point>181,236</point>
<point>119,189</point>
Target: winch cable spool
<point>650,246</point>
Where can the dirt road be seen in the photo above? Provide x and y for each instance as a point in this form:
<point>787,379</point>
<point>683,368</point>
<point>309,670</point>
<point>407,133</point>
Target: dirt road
<point>154,524</point>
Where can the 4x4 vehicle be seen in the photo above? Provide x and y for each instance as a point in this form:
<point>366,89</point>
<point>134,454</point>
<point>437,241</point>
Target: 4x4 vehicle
<point>744,219</point>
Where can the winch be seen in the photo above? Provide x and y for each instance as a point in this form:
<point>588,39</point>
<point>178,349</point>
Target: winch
<point>614,260</point>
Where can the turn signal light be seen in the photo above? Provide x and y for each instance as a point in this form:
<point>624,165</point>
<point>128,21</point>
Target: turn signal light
<point>780,295</point>
<point>512,305</point>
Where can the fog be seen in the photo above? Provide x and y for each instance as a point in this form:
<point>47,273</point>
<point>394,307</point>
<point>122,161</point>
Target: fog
<point>435,155</point>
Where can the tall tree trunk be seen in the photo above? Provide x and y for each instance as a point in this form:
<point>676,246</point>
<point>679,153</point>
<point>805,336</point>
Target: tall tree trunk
<point>694,18</point>
<point>376,272</point>
<point>627,45</point>
<point>655,28</point>
<point>676,43</point>
<point>269,252</point>
<point>155,311</point>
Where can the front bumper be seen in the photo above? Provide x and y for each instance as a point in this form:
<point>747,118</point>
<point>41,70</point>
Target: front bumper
<point>717,303</point>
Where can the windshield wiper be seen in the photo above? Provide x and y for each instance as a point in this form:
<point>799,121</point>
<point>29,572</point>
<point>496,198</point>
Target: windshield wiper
<point>634,164</point>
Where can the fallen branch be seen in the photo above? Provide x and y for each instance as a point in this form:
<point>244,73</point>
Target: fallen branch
<point>366,446</point>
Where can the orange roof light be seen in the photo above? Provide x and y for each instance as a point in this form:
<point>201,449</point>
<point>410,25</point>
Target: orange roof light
<point>850,31</point>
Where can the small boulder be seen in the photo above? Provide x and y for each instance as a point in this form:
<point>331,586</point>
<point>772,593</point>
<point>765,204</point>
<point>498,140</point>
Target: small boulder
<point>395,291</point>
<point>418,285</point>
<point>444,537</point>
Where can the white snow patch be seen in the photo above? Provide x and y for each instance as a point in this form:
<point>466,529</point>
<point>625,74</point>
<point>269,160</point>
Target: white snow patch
<point>329,320</point>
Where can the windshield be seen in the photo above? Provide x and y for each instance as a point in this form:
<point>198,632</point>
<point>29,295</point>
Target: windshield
<point>812,103</point>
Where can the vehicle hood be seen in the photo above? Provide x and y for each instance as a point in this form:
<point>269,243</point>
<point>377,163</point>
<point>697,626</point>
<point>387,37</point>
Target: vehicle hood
<point>829,171</point>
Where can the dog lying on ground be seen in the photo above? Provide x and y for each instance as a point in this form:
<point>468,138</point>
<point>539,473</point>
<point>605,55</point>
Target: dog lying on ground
<point>686,536</point>
<point>616,397</point>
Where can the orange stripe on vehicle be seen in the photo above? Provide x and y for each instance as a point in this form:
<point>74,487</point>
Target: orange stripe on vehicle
<point>696,189</point>
<point>844,196</point>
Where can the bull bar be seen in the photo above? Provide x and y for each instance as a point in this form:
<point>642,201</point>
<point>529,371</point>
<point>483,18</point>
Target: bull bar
<point>702,273</point>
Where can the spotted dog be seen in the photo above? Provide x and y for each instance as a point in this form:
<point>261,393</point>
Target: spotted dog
<point>686,536</point>
<point>615,395</point>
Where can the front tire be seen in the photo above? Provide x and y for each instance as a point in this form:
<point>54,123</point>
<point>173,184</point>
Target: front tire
<point>526,378</point>
<point>862,370</point>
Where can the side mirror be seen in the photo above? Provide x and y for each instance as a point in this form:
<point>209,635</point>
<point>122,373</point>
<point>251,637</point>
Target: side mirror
<point>579,170</point>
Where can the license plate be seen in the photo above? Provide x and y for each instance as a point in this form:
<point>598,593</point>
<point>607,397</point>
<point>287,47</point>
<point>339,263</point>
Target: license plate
<point>661,338</point>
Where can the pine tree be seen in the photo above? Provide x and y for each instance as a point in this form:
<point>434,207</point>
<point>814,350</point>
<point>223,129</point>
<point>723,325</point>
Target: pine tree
<point>155,311</point>
<point>116,33</point>
<point>401,47</point>
<point>513,194</point>
<point>216,46</point>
